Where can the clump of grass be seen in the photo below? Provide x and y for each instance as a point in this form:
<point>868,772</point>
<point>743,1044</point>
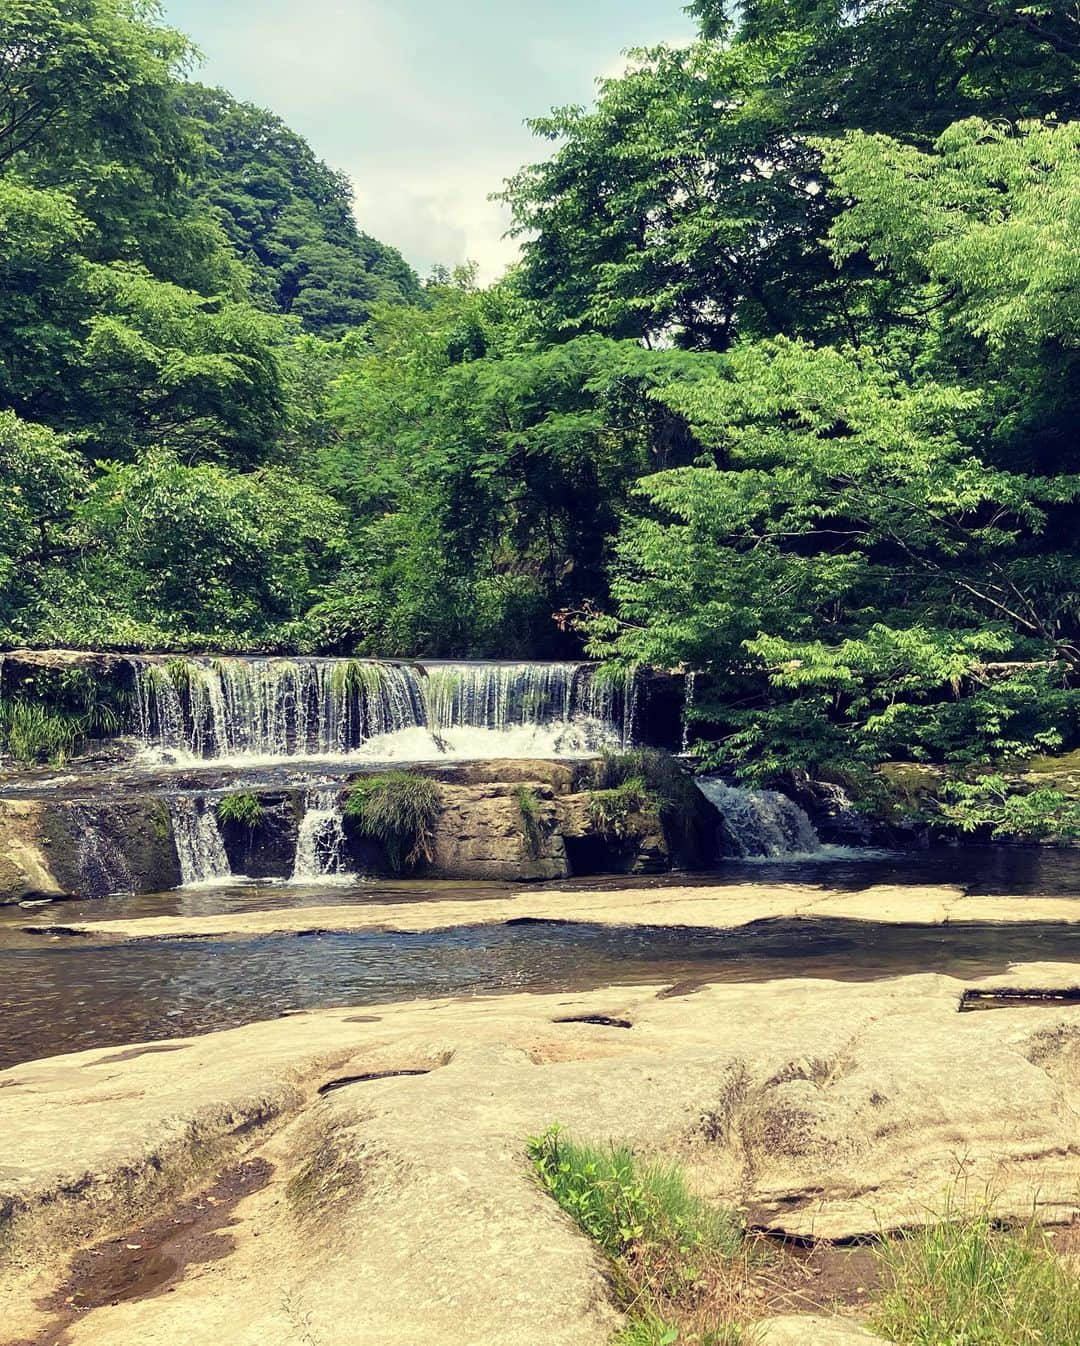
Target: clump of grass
<point>49,715</point>
<point>532,830</point>
<point>619,812</point>
<point>678,1263</point>
<point>973,1282</point>
<point>244,810</point>
<point>398,809</point>
<point>675,799</point>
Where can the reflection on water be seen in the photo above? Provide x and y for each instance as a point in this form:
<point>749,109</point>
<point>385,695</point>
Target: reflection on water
<point>63,996</point>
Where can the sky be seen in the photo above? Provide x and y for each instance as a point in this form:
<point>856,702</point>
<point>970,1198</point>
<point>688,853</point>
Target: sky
<point>422,102</point>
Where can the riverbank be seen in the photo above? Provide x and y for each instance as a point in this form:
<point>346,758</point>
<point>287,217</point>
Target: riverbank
<point>726,907</point>
<point>394,1192</point>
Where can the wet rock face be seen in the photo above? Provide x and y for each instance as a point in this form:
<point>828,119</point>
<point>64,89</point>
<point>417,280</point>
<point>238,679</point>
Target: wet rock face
<point>267,850</point>
<point>85,849</point>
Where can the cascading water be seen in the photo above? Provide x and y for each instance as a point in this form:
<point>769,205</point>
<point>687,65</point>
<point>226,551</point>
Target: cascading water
<point>760,824</point>
<point>256,708</point>
<point>199,847</point>
<point>320,843</point>
<point>102,865</point>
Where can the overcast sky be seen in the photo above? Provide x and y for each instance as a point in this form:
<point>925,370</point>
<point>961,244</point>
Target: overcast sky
<point>422,102</point>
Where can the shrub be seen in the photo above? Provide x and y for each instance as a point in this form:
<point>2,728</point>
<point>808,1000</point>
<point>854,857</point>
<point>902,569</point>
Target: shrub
<point>398,809</point>
<point>612,812</point>
<point>531,827</point>
<point>675,798</point>
<point>678,1262</point>
<point>992,803</point>
<point>973,1282</point>
<point>245,810</point>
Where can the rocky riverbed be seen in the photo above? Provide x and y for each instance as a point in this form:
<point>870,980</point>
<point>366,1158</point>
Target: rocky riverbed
<point>359,1174</point>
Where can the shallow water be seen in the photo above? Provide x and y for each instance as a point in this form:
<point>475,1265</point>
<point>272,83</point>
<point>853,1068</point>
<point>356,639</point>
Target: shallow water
<point>59,994</point>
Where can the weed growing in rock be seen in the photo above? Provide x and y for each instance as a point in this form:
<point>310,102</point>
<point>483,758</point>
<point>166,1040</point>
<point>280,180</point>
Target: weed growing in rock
<point>672,795</point>
<point>971,1281</point>
<point>531,828</point>
<point>679,1264</point>
<point>398,809</point>
<point>244,810</point>
<point>621,812</point>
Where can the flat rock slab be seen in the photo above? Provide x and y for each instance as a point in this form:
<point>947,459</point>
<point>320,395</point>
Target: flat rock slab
<point>401,1207</point>
<point>719,908</point>
<point>811,1330</point>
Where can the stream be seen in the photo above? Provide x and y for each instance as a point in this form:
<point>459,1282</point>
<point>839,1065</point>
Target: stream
<point>61,994</point>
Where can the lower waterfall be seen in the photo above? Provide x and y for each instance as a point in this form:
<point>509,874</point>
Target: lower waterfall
<point>320,843</point>
<point>760,824</point>
<point>102,865</point>
<point>199,847</point>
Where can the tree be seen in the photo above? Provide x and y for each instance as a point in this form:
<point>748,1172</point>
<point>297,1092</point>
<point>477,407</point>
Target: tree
<point>290,218</point>
<point>877,560</point>
<point>688,204</point>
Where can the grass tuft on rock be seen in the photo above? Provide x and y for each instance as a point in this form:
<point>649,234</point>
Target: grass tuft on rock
<point>972,1282</point>
<point>679,1264</point>
<point>243,809</point>
<point>661,785</point>
<point>399,809</point>
<point>532,830</point>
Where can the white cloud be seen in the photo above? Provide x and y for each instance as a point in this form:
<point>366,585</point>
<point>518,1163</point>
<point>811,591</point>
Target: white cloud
<point>442,215</point>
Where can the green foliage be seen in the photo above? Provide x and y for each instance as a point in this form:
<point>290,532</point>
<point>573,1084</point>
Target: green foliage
<point>47,716</point>
<point>670,1249</point>
<point>670,794</point>
<point>970,1280</point>
<point>243,809</point>
<point>532,828</point>
<point>399,809</point>
<point>622,811</point>
<point>994,805</point>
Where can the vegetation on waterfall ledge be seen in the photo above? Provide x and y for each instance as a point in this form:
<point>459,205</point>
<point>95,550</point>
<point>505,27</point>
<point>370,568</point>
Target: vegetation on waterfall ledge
<point>243,809</point>
<point>532,827</point>
<point>809,438</point>
<point>399,810</point>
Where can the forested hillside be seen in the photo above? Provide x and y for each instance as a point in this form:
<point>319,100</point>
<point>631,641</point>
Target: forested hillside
<point>783,393</point>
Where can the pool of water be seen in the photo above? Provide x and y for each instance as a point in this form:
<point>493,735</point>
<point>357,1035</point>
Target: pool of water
<point>59,994</point>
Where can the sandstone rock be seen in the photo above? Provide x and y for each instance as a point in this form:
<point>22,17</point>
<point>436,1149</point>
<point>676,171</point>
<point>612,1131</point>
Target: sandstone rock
<point>810,1330</point>
<point>401,1209</point>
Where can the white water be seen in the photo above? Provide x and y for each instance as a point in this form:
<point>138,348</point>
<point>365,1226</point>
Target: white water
<point>320,843</point>
<point>763,824</point>
<point>199,846</point>
<point>239,710</point>
<point>102,865</point>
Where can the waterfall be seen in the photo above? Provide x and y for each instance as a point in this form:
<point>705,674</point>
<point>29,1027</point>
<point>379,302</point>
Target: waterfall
<point>199,847</point>
<point>760,824</point>
<point>103,868</point>
<point>320,843</point>
<point>688,706</point>
<point>260,708</point>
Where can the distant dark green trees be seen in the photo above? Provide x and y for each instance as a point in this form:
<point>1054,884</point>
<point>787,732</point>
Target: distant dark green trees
<point>290,216</point>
